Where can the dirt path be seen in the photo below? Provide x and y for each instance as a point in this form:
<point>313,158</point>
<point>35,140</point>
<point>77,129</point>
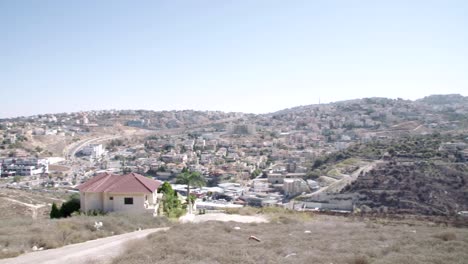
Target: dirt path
<point>223,218</point>
<point>94,251</point>
<point>33,207</point>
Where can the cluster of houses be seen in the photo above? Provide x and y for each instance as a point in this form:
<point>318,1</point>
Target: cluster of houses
<point>23,166</point>
<point>268,156</point>
<point>134,192</point>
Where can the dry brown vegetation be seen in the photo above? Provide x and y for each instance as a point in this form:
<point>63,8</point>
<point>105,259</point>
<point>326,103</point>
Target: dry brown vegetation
<point>319,239</point>
<point>19,235</point>
<point>29,204</point>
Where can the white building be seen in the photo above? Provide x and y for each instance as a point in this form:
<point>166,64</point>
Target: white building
<point>130,193</point>
<point>294,187</point>
<point>278,178</point>
<point>260,185</point>
<point>24,167</point>
<point>39,131</point>
<point>95,151</point>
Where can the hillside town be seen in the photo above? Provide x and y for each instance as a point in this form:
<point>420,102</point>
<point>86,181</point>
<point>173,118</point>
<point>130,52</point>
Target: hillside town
<point>255,160</point>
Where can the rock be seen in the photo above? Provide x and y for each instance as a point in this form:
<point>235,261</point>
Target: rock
<point>307,232</point>
<point>187,218</point>
<point>97,225</point>
<point>237,228</point>
<point>366,209</point>
<point>254,238</point>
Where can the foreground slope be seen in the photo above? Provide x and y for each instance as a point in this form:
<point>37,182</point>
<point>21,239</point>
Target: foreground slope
<point>93,251</point>
<point>320,239</point>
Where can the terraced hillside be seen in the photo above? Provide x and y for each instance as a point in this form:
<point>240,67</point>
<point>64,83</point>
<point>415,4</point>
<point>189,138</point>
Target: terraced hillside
<point>416,174</point>
<point>432,188</point>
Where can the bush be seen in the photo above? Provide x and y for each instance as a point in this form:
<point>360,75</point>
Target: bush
<point>55,212</point>
<point>171,203</point>
<point>67,208</point>
<point>359,260</point>
<point>176,212</point>
<point>95,212</point>
<point>446,236</point>
<point>70,206</point>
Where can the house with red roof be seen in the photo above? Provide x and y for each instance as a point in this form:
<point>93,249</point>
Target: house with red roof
<point>113,193</point>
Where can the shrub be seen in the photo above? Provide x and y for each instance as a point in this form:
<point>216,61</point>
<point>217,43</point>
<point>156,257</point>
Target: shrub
<point>171,203</point>
<point>55,212</point>
<point>95,212</point>
<point>359,260</point>
<point>446,236</point>
<point>67,209</point>
<point>70,206</point>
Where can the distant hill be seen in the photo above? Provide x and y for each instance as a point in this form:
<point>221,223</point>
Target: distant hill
<point>447,99</point>
<point>432,113</point>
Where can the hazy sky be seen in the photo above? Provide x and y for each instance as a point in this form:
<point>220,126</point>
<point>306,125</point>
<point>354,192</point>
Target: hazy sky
<point>249,56</point>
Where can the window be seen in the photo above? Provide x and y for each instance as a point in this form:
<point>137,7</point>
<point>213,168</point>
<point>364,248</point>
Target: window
<point>128,200</point>
<point>111,198</point>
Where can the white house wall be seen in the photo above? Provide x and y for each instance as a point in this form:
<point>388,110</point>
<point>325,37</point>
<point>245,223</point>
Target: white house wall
<point>92,201</point>
<point>102,201</point>
<point>119,205</point>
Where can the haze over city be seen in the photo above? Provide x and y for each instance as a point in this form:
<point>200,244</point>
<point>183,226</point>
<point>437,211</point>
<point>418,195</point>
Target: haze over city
<point>245,56</point>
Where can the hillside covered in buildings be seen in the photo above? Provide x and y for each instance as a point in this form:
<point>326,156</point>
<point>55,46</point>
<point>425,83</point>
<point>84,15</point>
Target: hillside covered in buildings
<point>371,154</point>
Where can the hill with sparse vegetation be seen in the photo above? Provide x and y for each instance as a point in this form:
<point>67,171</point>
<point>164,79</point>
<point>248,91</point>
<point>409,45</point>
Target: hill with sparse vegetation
<point>425,174</point>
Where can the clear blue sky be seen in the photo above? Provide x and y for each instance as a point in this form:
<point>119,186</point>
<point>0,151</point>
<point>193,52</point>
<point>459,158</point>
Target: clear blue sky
<point>249,56</point>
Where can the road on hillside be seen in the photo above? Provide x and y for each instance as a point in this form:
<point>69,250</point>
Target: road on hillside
<point>71,150</point>
<point>347,179</point>
<point>94,251</point>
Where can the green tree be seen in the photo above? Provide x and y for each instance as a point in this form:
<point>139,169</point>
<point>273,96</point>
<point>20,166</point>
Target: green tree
<point>183,149</point>
<point>255,173</point>
<point>55,212</point>
<point>190,179</point>
<point>70,206</point>
<point>165,188</point>
<point>171,204</point>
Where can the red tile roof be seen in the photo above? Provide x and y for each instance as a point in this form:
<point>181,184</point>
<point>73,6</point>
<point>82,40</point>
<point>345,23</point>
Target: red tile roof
<point>128,183</point>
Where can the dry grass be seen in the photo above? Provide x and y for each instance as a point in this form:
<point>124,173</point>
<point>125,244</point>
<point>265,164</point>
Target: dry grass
<point>330,240</point>
<point>34,196</point>
<point>18,203</point>
<point>19,235</point>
